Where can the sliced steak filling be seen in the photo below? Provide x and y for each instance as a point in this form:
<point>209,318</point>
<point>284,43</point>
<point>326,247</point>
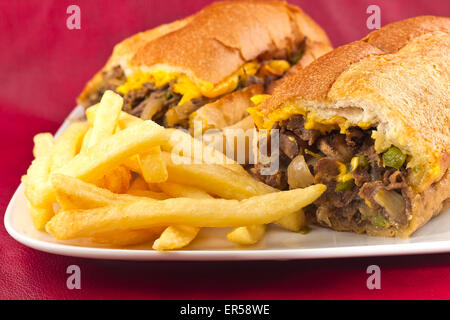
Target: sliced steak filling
<point>365,190</point>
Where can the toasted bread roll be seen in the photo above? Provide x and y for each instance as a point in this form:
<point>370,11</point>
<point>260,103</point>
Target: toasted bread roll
<point>167,73</point>
<point>372,119</point>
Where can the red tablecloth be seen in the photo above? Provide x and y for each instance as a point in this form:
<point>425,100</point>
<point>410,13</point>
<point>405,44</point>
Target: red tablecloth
<point>43,66</point>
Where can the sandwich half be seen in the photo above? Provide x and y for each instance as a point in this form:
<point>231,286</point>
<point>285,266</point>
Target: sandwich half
<point>371,120</point>
<point>207,66</point>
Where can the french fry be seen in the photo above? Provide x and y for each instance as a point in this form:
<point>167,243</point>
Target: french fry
<point>153,167</point>
<point>176,237</point>
<point>43,144</point>
<point>98,160</point>
<point>72,193</point>
<point>293,222</point>
<point>145,214</point>
<point>40,215</point>
<point>68,144</point>
<point>86,138</point>
<point>149,194</point>
<point>150,165</point>
<point>125,121</point>
<point>154,187</point>
<point>215,179</point>
<point>247,235</point>
<point>250,235</point>
<point>138,184</point>
<point>222,181</point>
<point>199,153</point>
<point>178,138</point>
<point>117,180</point>
<point>90,113</point>
<point>133,163</point>
<point>106,117</point>
<point>182,191</point>
<point>127,238</point>
<point>38,189</point>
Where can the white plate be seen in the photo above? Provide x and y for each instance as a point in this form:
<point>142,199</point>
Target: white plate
<point>211,244</point>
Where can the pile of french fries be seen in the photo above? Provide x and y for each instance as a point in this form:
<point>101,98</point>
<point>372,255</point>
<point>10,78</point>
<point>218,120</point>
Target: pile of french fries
<point>113,179</point>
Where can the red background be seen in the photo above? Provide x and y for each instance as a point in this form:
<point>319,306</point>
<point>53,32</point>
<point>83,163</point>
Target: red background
<point>43,67</point>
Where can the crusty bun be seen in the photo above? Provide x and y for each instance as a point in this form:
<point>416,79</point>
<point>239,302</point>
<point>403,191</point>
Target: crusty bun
<point>397,79</point>
<point>213,43</point>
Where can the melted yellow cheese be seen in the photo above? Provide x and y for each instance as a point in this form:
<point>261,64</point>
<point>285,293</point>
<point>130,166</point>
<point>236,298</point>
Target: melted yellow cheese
<point>223,87</point>
<point>354,163</point>
<point>333,123</point>
<point>250,68</point>
<point>324,125</point>
<point>257,99</point>
<point>343,176</point>
<point>277,66</point>
<point>312,122</point>
<point>257,116</point>
<point>136,81</point>
<point>189,88</point>
<point>195,88</point>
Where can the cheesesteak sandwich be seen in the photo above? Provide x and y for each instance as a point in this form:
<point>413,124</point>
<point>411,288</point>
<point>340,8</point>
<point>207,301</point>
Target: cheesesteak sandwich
<point>207,66</point>
<point>371,120</point>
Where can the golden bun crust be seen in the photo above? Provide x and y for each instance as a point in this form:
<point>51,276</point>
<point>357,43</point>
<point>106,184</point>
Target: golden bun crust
<point>396,78</point>
<point>125,50</point>
<point>216,41</point>
<point>428,204</point>
<point>315,81</point>
<point>223,36</point>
